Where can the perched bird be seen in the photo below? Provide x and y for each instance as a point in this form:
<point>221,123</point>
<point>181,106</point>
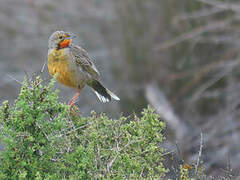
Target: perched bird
<point>74,67</point>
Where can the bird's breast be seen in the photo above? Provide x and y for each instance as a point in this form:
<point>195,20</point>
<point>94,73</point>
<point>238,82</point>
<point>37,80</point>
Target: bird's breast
<point>59,62</point>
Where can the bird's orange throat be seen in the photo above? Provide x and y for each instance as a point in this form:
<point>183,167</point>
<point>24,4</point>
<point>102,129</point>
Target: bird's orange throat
<point>65,43</point>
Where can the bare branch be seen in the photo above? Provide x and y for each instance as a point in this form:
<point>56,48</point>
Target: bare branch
<point>75,129</point>
<point>43,66</point>
<point>109,165</point>
<point>19,82</point>
<point>193,33</point>
<point>42,131</point>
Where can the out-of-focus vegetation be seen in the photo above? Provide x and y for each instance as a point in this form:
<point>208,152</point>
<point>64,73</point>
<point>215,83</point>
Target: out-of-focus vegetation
<point>43,141</point>
<point>182,57</point>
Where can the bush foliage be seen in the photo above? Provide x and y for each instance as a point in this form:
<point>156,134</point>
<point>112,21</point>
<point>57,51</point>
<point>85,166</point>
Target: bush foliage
<point>43,140</point>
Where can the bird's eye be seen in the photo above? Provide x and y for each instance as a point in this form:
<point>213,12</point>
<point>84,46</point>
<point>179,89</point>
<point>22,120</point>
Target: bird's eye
<point>60,37</point>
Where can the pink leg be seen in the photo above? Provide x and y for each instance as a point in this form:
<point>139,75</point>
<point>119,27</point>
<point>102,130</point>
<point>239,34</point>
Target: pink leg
<point>72,101</point>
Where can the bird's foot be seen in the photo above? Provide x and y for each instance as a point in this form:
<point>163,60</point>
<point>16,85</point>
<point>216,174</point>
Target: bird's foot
<point>73,110</point>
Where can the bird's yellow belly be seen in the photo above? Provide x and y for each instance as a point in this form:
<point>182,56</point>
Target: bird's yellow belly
<point>66,74</point>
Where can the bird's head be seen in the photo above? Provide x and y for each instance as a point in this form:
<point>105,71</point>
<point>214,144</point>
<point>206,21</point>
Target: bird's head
<point>60,39</point>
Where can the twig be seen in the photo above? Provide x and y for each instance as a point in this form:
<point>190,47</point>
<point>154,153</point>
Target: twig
<point>75,129</point>
<point>169,152</point>
<point>26,74</point>
<point>199,155</point>
<point>43,66</point>
<point>109,165</point>
<point>19,82</point>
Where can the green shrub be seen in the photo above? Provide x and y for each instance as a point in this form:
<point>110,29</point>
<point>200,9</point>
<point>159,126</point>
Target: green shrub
<point>42,141</point>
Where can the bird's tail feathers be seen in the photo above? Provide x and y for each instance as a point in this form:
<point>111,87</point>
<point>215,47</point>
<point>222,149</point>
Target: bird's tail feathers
<point>114,96</point>
<point>103,94</point>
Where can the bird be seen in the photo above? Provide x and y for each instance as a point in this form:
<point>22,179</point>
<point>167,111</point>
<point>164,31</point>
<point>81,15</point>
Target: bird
<point>74,67</point>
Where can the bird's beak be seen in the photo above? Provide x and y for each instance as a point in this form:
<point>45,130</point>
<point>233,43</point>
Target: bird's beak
<point>70,36</point>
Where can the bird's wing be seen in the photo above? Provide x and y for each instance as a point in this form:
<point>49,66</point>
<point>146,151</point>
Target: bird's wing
<point>82,60</point>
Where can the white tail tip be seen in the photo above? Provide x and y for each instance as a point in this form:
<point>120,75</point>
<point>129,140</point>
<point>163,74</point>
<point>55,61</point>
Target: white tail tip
<point>113,95</point>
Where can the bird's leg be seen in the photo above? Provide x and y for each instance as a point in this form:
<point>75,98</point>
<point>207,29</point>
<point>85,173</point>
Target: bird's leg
<point>72,101</point>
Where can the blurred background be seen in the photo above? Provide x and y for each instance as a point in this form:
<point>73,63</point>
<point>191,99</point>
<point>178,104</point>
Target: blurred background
<point>181,57</point>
